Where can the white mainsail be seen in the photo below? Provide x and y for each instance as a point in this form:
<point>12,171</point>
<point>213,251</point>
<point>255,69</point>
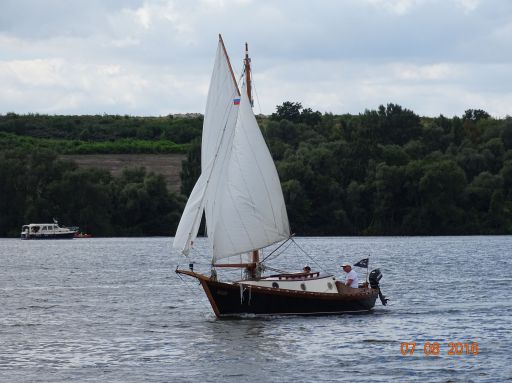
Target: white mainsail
<point>250,212</point>
<point>239,188</point>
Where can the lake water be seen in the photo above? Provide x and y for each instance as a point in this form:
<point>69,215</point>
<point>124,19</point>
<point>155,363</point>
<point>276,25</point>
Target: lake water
<point>98,310</point>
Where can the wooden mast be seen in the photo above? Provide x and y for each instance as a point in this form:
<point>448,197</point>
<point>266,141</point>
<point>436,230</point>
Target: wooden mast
<point>247,65</point>
<point>255,258</point>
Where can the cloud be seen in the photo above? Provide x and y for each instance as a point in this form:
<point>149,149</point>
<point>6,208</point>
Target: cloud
<point>154,57</point>
<point>399,7</point>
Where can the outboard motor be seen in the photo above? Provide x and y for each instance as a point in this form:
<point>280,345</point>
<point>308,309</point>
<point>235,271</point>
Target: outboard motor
<point>374,278</point>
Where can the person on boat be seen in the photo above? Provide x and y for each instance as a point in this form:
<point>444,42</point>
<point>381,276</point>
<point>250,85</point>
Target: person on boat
<point>351,277</point>
<point>306,269</point>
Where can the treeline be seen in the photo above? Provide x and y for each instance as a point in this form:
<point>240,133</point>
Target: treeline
<point>101,134</point>
<point>36,187</point>
<point>388,171</point>
<point>180,130</point>
<point>382,172</point>
<point>119,146</point>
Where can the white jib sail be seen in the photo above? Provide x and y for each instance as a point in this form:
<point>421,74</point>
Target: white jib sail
<point>218,129</point>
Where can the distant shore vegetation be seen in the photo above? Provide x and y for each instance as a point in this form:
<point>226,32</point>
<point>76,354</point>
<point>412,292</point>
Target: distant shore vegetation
<point>98,134</point>
<point>386,171</point>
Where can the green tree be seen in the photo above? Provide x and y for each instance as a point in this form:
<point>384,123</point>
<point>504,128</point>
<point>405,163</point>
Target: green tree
<point>288,111</point>
<point>82,197</point>
<point>475,114</point>
<point>441,190</point>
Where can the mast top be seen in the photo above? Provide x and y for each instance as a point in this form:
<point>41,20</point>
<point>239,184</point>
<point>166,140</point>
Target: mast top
<point>247,66</point>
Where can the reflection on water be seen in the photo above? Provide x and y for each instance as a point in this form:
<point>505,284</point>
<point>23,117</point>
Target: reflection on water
<point>114,310</point>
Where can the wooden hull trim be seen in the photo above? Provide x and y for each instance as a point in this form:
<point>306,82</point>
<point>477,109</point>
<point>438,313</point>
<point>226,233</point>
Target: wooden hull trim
<point>210,298</point>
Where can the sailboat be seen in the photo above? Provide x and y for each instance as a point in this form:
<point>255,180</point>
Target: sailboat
<point>240,194</point>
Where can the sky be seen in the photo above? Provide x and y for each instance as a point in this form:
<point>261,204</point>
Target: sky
<point>155,57</point>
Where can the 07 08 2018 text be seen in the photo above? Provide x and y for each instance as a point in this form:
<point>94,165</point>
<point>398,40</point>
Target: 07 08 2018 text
<point>437,349</point>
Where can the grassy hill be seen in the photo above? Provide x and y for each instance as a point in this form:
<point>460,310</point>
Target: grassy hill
<point>168,165</point>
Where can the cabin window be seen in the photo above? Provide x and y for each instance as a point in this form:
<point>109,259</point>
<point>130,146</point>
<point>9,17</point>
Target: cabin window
<point>329,285</point>
<point>275,285</point>
<point>303,286</point>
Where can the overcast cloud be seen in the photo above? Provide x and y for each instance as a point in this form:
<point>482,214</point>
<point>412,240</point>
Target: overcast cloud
<point>155,57</point>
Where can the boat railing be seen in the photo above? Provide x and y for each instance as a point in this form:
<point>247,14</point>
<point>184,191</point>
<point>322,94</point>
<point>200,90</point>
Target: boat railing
<point>296,276</point>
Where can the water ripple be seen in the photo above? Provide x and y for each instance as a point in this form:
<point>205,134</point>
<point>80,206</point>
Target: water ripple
<point>114,310</point>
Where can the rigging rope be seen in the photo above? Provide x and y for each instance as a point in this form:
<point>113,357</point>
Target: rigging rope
<point>322,267</point>
<point>277,248</point>
<point>292,240</point>
<point>277,270</point>
<point>256,94</point>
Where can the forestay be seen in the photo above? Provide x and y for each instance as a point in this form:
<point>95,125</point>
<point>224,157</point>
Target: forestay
<point>239,188</point>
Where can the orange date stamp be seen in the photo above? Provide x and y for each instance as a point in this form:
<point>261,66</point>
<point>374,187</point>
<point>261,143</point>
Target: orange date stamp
<point>437,349</point>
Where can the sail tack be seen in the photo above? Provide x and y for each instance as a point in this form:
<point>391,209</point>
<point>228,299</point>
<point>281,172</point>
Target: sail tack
<point>239,189</point>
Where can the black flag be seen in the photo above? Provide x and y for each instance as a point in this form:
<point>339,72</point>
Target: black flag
<point>362,263</point>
